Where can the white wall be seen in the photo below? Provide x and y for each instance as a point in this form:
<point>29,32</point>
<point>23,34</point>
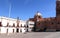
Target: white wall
<point>23,30</point>
<point>30,25</point>
<point>6,20</point>
<point>0,19</point>
<point>10,30</point>
<point>3,30</point>
<point>23,23</point>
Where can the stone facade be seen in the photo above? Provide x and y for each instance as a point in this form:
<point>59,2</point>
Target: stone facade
<point>47,24</point>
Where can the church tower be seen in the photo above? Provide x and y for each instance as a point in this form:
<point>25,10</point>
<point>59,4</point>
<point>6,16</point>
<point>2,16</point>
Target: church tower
<point>37,19</point>
<point>38,16</point>
<point>58,8</point>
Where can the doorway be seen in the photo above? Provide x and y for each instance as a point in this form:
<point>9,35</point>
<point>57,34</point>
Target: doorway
<point>17,30</point>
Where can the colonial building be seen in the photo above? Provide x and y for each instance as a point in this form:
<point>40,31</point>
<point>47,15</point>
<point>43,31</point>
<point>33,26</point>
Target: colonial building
<point>30,26</point>
<point>47,24</point>
<point>10,25</point>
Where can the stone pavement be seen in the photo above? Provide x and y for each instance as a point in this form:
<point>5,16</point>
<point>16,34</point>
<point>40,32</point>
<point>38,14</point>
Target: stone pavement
<point>32,35</point>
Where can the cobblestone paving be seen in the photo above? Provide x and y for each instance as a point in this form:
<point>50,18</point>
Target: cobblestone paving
<point>32,35</point>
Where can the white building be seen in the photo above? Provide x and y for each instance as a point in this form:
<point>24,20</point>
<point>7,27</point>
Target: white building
<point>30,26</point>
<point>9,25</point>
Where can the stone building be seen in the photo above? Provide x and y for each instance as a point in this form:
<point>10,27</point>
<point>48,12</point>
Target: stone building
<point>47,24</point>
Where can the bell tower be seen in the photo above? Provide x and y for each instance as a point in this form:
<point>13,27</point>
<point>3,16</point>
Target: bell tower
<point>57,8</point>
<point>38,16</point>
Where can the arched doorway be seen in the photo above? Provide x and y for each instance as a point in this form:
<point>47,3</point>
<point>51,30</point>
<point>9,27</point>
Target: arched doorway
<point>17,30</point>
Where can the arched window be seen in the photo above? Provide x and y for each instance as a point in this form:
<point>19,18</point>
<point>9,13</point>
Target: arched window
<point>17,30</point>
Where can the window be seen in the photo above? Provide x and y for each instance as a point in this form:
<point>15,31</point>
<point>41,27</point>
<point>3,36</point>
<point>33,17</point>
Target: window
<point>39,17</point>
<point>58,22</point>
<point>20,30</point>
<point>17,30</point>
<point>13,30</point>
<point>0,24</point>
<point>24,25</point>
<point>52,23</point>
<point>7,24</point>
<point>45,22</point>
<point>7,30</point>
<point>21,25</point>
<point>30,27</point>
<point>13,24</point>
<point>31,24</point>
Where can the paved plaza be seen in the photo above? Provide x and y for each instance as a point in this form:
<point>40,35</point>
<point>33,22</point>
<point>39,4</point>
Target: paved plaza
<point>32,35</point>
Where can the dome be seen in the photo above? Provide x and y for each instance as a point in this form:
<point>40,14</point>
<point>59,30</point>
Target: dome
<point>38,14</point>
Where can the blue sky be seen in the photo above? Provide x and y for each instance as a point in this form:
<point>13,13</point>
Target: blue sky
<point>25,9</point>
